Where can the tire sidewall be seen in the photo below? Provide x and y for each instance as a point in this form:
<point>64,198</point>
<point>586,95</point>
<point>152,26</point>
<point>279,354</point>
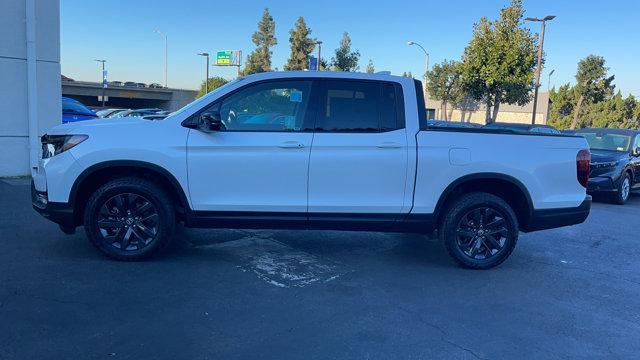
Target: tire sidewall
<point>461,207</point>
<point>146,189</point>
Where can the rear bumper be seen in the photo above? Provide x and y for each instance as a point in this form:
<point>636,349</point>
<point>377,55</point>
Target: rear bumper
<point>59,213</point>
<point>554,218</point>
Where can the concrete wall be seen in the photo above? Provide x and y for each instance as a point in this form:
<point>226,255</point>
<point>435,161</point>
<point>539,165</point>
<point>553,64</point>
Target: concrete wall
<point>14,124</point>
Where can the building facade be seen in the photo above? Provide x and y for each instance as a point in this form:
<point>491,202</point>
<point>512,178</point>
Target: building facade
<point>29,80</point>
<point>475,112</point>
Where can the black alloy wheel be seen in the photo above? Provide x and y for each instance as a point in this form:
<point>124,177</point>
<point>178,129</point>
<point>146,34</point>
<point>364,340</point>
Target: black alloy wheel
<point>130,218</point>
<point>128,221</point>
<point>479,230</point>
<point>481,233</point>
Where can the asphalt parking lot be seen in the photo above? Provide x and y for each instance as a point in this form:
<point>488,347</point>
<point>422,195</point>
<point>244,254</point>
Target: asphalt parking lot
<point>221,294</point>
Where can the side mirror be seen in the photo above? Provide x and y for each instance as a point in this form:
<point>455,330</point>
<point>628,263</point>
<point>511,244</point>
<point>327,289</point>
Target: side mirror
<point>210,122</point>
<point>636,151</point>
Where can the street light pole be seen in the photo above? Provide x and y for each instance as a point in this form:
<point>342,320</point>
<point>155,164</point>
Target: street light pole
<point>103,84</point>
<point>426,55</point>
<point>426,67</point>
<point>539,67</point>
<point>206,83</point>
<point>165,55</point>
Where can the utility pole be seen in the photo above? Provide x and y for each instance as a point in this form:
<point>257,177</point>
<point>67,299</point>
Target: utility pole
<point>104,84</point>
<point>539,67</point>
<point>206,82</point>
<point>319,43</point>
<point>165,55</point>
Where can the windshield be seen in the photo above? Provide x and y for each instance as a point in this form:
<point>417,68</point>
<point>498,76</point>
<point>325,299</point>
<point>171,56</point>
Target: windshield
<point>72,107</point>
<point>604,141</point>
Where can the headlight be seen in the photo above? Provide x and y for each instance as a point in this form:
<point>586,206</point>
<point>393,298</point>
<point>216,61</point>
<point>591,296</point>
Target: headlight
<point>55,144</point>
<point>600,165</point>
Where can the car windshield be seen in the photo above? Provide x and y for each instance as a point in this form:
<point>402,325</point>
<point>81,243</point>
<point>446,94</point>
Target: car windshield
<point>604,141</point>
<point>72,107</point>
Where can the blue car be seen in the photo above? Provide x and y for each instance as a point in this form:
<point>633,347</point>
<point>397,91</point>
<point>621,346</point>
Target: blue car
<point>73,110</point>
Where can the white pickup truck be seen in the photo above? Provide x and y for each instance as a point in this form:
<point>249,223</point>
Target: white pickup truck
<point>309,150</point>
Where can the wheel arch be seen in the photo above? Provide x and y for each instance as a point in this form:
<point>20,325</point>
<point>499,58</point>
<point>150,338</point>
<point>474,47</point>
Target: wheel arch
<point>98,174</point>
<point>510,189</point>
<point>629,171</point>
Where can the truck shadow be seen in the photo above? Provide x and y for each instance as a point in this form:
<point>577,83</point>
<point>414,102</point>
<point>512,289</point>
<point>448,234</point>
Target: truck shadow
<point>346,247</point>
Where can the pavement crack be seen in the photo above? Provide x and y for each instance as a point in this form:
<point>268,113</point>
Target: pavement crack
<point>59,301</point>
<point>444,336</point>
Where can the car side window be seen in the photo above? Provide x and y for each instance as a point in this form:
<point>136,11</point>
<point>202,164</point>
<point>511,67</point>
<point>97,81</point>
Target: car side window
<point>636,143</point>
<point>357,106</point>
<point>269,106</point>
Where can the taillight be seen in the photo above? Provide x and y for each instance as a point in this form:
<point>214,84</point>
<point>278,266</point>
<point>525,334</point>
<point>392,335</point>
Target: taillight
<point>583,165</point>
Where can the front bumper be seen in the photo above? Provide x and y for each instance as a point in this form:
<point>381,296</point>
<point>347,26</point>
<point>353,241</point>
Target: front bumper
<point>59,213</point>
<point>554,218</point>
<point>600,184</point>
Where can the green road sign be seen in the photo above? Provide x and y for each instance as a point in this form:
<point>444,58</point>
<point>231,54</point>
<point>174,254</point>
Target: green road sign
<point>224,57</point>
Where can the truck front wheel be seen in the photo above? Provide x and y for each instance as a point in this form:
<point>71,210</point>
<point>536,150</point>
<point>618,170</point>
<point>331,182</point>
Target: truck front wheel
<point>129,218</point>
<point>479,230</point>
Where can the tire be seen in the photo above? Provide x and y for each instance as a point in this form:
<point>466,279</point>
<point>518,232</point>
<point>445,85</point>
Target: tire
<point>622,195</point>
<point>468,241</point>
<point>131,212</point>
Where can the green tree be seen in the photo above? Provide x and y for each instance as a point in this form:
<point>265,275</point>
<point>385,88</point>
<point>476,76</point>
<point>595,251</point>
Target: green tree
<point>592,83</point>
<point>607,113</point>
<point>260,59</point>
<point>323,64</point>
<point>301,46</point>
<point>562,104</point>
<point>214,83</point>
<point>370,68</point>
<point>497,65</point>
<point>443,83</point>
<point>345,59</point>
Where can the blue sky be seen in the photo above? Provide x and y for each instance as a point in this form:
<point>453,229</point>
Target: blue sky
<point>122,32</point>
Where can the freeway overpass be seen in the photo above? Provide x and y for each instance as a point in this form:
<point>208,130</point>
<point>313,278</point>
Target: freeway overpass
<point>127,97</point>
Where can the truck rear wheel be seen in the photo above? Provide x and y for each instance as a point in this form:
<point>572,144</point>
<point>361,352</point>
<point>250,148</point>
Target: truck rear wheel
<point>129,219</point>
<point>479,230</point>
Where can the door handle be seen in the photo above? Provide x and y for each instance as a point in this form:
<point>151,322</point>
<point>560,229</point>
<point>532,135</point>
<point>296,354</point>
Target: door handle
<point>389,145</point>
<point>291,145</point>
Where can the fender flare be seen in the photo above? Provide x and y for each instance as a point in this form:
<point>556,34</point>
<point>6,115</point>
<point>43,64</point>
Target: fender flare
<point>134,164</point>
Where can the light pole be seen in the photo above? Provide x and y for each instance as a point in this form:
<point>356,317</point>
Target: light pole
<point>319,43</point>
<point>103,78</point>
<point>426,54</point>
<point>549,82</point>
<point>539,67</point>
<point>165,55</point>
<point>206,83</point>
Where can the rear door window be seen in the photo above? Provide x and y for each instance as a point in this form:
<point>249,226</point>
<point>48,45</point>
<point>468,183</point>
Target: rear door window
<point>357,106</point>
